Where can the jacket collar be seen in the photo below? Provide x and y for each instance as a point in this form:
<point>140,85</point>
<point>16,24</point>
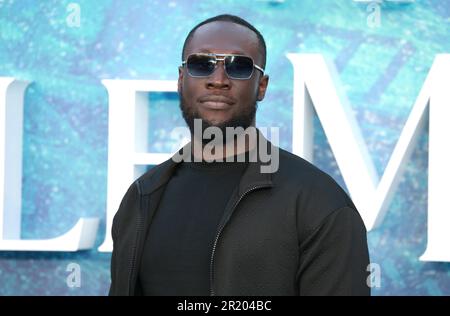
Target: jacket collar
<point>252,177</point>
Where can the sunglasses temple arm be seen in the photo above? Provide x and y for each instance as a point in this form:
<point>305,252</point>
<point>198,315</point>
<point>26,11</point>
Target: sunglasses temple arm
<point>259,68</point>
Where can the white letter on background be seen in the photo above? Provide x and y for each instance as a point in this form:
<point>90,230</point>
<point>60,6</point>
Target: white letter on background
<point>81,236</point>
<point>314,88</point>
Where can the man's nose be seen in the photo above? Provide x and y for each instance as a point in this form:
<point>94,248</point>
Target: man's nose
<point>218,79</point>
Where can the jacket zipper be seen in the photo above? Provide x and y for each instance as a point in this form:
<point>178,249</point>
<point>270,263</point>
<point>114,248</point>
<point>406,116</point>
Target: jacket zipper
<point>211,269</point>
<point>133,258</point>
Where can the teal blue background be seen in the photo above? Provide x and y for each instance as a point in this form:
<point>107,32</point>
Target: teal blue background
<point>382,70</point>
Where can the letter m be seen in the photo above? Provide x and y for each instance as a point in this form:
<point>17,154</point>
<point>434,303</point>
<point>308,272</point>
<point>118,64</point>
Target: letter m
<point>314,89</point>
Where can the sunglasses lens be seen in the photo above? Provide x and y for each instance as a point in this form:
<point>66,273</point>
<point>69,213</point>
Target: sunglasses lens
<point>239,67</point>
<point>200,65</point>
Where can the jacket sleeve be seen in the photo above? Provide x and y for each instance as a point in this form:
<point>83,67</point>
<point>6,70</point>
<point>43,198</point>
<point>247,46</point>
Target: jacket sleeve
<point>112,288</point>
<point>130,197</point>
<point>334,257</point>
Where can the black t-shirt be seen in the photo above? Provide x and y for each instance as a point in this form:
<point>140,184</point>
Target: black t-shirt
<point>178,247</point>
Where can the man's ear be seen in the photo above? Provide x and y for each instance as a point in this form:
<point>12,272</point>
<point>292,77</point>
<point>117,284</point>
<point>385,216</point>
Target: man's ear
<point>180,78</point>
<point>262,87</point>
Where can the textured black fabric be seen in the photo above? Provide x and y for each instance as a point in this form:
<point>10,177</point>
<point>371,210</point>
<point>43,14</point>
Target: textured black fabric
<point>291,232</point>
<point>177,252</point>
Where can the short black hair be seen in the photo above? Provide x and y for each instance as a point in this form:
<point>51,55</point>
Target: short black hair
<point>233,19</point>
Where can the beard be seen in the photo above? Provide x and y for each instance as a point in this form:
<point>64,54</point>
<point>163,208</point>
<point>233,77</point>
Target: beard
<point>244,118</point>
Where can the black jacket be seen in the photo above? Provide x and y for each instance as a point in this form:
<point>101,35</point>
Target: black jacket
<point>292,232</point>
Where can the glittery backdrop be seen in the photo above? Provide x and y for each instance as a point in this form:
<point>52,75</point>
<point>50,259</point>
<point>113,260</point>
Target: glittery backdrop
<point>382,69</point>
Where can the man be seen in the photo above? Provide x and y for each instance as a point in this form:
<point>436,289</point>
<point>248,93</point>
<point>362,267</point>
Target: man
<point>231,228</point>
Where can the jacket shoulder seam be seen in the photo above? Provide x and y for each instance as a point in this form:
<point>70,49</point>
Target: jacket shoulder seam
<point>322,222</point>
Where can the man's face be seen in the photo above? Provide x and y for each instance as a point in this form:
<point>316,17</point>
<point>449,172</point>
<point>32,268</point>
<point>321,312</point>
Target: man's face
<point>218,100</point>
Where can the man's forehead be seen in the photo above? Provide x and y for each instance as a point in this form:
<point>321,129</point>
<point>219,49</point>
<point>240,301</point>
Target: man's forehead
<point>224,37</point>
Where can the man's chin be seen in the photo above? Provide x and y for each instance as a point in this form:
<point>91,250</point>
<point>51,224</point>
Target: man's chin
<point>243,120</point>
<point>216,124</point>
<point>222,124</point>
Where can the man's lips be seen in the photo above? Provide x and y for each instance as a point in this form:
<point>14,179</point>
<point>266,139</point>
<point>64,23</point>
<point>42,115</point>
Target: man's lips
<point>216,102</point>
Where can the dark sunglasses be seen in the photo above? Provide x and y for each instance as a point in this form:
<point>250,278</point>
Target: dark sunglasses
<point>236,66</point>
